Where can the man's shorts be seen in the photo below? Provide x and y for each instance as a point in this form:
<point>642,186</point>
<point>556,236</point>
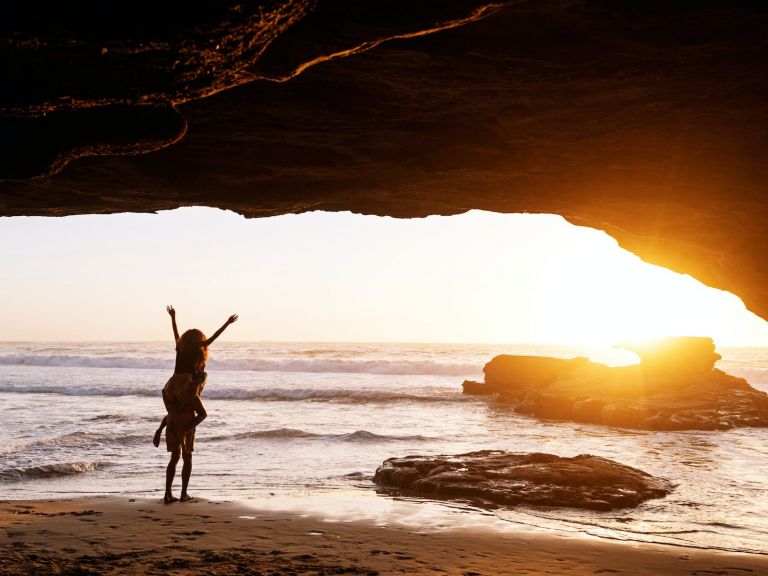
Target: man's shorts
<point>175,441</point>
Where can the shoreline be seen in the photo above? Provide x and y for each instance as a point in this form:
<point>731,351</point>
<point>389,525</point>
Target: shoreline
<point>117,535</point>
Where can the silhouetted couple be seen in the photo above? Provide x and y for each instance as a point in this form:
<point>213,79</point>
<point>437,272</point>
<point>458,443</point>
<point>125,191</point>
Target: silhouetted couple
<point>181,396</point>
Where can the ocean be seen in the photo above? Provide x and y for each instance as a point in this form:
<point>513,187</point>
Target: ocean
<point>303,426</point>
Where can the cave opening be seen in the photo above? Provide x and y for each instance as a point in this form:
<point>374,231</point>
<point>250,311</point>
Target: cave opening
<point>354,338</point>
<point>478,277</point>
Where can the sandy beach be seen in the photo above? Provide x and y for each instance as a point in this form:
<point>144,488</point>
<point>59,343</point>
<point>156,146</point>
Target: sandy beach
<point>120,535</point>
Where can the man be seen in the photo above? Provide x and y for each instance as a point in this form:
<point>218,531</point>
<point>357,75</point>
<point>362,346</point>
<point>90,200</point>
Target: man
<point>185,412</point>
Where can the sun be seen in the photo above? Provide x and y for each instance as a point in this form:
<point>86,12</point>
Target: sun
<point>595,293</point>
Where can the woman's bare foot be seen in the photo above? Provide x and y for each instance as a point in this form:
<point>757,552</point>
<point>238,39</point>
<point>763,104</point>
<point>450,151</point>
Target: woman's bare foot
<point>186,497</point>
<point>168,498</point>
<point>156,439</point>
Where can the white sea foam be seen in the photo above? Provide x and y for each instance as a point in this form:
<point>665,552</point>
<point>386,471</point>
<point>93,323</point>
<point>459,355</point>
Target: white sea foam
<point>277,433</point>
<point>81,361</point>
<point>293,433</point>
<point>345,395</point>
<point>755,376</point>
<point>365,436</point>
<point>77,439</point>
<point>223,392</point>
<point>309,365</point>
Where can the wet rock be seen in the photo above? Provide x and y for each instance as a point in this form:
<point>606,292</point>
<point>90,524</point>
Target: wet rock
<point>675,387</point>
<point>477,388</point>
<point>588,410</point>
<point>515,374</point>
<point>674,356</point>
<point>492,478</point>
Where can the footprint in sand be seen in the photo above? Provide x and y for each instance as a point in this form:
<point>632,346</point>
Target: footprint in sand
<point>86,513</point>
<point>195,533</point>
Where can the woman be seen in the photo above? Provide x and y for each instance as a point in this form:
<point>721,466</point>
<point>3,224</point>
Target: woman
<point>181,396</point>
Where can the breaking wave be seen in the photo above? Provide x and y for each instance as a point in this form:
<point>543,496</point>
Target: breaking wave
<point>758,377</point>
<point>276,433</point>
<point>266,394</point>
<point>78,439</point>
<point>109,418</point>
<point>343,395</point>
<point>311,365</point>
<point>88,440</point>
<point>365,436</point>
<point>288,433</point>
<point>49,470</point>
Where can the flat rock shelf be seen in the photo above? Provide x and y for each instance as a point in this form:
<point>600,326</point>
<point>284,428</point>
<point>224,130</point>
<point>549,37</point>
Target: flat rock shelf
<point>492,478</point>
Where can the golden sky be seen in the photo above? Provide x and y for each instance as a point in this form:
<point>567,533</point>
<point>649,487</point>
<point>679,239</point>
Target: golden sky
<point>477,277</point>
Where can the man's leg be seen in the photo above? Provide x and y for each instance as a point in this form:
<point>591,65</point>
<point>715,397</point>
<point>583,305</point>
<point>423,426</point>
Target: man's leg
<point>186,472</point>
<point>170,473</point>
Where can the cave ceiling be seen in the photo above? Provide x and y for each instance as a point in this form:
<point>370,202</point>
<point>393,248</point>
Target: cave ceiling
<point>648,120</point>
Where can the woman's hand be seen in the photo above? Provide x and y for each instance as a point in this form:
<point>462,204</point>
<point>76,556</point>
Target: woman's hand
<point>171,311</point>
<point>218,332</point>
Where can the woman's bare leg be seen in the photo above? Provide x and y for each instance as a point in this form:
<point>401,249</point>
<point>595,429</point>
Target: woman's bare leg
<point>159,432</point>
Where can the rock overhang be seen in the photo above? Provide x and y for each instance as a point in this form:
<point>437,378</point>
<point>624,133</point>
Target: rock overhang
<point>647,120</point>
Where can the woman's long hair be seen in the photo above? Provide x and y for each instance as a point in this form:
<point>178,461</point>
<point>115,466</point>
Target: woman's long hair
<point>192,350</point>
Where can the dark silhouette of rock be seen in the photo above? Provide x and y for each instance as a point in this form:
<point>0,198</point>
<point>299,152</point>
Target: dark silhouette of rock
<point>492,477</point>
<point>476,388</point>
<point>675,387</point>
<point>643,119</point>
<point>520,372</point>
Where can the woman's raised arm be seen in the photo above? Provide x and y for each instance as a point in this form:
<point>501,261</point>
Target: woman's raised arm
<point>218,332</point>
<point>172,313</point>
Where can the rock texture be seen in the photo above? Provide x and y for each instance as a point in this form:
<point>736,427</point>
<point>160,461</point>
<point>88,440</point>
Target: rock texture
<point>675,387</point>
<point>494,478</point>
<point>644,119</point>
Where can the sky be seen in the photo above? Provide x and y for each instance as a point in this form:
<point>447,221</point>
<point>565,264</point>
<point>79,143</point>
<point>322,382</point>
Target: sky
<point>477,277</point>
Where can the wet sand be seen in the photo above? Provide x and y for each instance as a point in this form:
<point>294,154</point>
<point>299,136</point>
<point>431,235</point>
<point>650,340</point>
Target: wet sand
<point>143,536</point>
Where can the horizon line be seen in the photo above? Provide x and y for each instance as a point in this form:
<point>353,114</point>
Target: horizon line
<point>378,342</point>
